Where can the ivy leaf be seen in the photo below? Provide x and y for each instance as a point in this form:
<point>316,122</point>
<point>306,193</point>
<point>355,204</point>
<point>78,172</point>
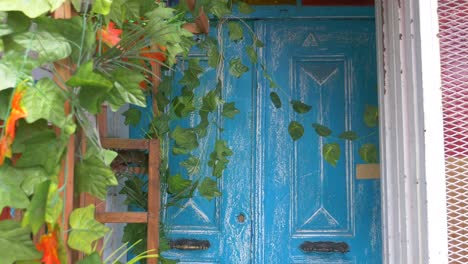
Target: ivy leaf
<point>230,110</point>
<point>235,31</point>
<point>236,68</point>
<point>258,43</point>
<point>46,101</point>
<point>245,8</point>
<point>15,243</point>
<point>219,8</point>
<point>159,126</point>
<point>192,164</point>
<point>94,258</point>
<point>102,7</point>
<point>322,130</point>
<point>331,152</point>
<point>93,175</point>
<point>275,99</point>
<point>132,117</point>
<point>85,229</point>
<point>296,130</point>
<point>212,52</point>
<point>371,115</point>
<point>269,78</point>
<point>209,189</point>
<point>177,184</point>
<point>252,54</point>
<point>191,78</point>
<point>35,214</point>
<point>369,153</point>
<point>184,105</point>
<point>185,140</point>
<point>11,194</point>
<point>349,135</point>
<point>218,158</point>
<point>210,101</point>
<point>300,107</point>
<point>85,76</point>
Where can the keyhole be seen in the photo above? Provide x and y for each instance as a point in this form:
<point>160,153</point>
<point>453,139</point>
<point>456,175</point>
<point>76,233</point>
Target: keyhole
<point>241,218</point>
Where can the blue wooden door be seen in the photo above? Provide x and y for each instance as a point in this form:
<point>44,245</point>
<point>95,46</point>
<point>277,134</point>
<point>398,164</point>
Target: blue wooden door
<point>279,194</point>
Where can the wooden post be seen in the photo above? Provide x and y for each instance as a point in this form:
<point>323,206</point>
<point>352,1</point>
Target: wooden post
<point>154,197</point>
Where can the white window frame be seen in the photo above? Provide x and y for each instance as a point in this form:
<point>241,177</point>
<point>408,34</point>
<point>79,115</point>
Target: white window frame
<point>411,134</point>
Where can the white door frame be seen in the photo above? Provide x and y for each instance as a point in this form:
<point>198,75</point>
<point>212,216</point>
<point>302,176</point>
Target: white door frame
<point>411,134</point>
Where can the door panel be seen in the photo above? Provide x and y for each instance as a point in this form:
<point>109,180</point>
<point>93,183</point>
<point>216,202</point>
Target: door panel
<point>329,65</point>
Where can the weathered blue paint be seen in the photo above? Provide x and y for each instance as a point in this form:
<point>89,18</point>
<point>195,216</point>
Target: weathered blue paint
<point>286,191</point>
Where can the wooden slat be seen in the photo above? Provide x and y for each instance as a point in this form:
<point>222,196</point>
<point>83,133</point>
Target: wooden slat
<point>153,197</point>
<point>122,217</point>
<point>102,122</point>
<point>121,143</point>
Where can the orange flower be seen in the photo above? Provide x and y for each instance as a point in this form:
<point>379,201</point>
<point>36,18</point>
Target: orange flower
<point>17,112</point>
<point>110,36</point>
<point>49,246</point>
<point>155,55</point>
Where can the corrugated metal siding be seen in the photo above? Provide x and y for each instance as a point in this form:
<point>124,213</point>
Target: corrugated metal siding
<point>453,19</point>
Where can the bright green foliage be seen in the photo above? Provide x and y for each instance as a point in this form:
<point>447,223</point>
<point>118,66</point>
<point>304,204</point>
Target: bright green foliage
<point>122,10</point>
<point>178,184</point>
<point>218,158</point>
<point>368,153</point>
<point>275,99</point>
<point>132,116</point>
<point>296,130</point>
<point>94,258</point>
<point>13,22</point>
<point>102,6</point>
<point>33,8</point>
<point>133,233</point>
<point>85,229</point>
<point>212,52</point>
<point>46,100</point>
<point>35,213</point>
<point>236,68</point>
<point>331,153</point>
<point>371,116</point>
<point>209,189</point>
<point>245,8</point>
<point>235,31</point>
<point>93,174</point>
<point>349,135</point>
<point>16,243</point>
<point>322,130</point>
<point>11,194</point>
<point>300,107</point>
<point>54,205</point>
<point>192,164</point>
<point>185,140</point>
<point>230,110</point>
<point>184,105</point>
<point>5,96</point>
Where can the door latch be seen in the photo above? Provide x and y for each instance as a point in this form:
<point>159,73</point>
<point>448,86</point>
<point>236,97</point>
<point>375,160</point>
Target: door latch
<point>189,244</point>
<point>324,246</point>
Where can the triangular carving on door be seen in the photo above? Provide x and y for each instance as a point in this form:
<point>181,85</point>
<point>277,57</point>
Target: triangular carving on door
<point>320,73</point>
<point>319,217</point>
<point>310,41</point>
<point>190,205</point>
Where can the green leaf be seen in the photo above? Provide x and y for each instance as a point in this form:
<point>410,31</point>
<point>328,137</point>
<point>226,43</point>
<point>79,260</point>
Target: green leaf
<point>245,8</point>
<point>192,164</point>
<point>371,115</point>
<point>275,99</point>
<point>159,126</point>
<point>331,153</point>
<point>11,194</point>
<point>184,105</point>
<point>13,22</point>
<point>191,78</point>
<point>5,96</point>
<point>212,52</point>
<point>236,68</point>
<point>235,31</point>
<point>218,158</point>
<point>127,88</point>
<point>322,130</point>
<point>35,214</point>
<point>85,76</point>
<point>368,153</point>
<point>133,233</point>
<point>258,43</point>
<point>46,100</point>
<point>44,46</point>
<point>16,243</point>
<point>177,184</point>
<point>54,205</point>
<point>102,6</point>
<point>85,229</point>
<point>300,107</point>
<point>33,177</point>
<point>210,101</point>
<point>230,110</point>
<point>122,10</point>
<point>296,130</point>
<point>252,54</point>
<point>209,189</point>
<point>349,135</point>
<point>132,117</point>
<point>185,140</point>
<point>93,175</point>
<point>94,258</point>
<point>32,8</point>
<point>8,75</point>
<point>219,8</point>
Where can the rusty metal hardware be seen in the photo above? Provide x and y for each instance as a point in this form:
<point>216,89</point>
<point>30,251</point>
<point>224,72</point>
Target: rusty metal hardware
<point>324,246</point>
<point>189,244</point>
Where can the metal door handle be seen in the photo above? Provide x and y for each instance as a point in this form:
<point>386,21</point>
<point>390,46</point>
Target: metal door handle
<point>324,246</point>
<point>189,244</point>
